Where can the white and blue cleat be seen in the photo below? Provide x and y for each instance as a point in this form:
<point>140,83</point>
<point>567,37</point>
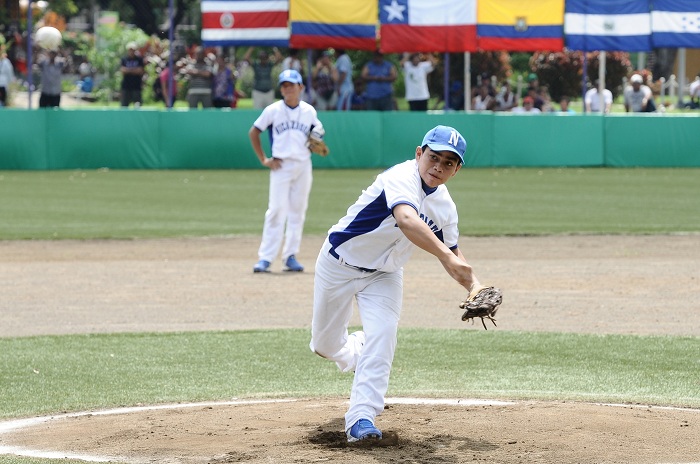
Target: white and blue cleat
<point>363,429</point>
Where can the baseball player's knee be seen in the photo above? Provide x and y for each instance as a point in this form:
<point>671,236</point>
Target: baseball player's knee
<point>384,332</point>
<point>324,350</point>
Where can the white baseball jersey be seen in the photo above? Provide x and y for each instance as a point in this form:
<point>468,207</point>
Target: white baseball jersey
<point>368,236</point>
<point>289,128</point>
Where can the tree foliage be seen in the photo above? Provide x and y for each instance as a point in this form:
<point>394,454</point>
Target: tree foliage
<point>563,71</point>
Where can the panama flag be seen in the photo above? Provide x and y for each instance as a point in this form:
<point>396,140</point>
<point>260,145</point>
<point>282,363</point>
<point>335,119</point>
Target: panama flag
<point>245,22</point>
<point>675,24</point>
<point>347,24</point>
<point>609,25</point>
<point>427,25</point>
<point>520,25</point>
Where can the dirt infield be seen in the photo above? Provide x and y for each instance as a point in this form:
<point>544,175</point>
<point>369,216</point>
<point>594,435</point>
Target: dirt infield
<point>550,284</point>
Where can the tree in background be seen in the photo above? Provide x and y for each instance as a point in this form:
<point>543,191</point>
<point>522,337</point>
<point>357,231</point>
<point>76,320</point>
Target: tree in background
<point>562,71</point>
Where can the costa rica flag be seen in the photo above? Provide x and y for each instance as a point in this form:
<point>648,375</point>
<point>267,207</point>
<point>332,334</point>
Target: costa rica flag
<point>245,22</point>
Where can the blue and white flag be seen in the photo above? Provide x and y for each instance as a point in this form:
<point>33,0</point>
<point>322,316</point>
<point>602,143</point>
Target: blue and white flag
<point>611,25</point>
<point>675,24</point>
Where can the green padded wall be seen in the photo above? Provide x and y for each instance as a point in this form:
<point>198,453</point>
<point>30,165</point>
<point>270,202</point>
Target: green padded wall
<point>122,139</point>
<point>652,140</point>
<point>23,139</point>
<point>548,140</point>
<point>216,139</point>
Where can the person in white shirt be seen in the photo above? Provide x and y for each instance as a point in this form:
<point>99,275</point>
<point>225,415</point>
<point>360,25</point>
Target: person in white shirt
<point>7,75</point>
<point>290,121</point>
<point>527,108</point>
<point>406,207</point>
<point>506,98</point>
<point>415,73</point>
<point>591,100</point>
<point>483,101</point>
<point>639,97</point>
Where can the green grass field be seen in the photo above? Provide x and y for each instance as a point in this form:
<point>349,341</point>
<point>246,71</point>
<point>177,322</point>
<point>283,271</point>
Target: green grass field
<point>131,204</point>
<point>49,374</point>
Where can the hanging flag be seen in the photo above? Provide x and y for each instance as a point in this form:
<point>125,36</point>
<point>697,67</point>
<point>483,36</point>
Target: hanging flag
<point>520,25</point>
<point>427,25</point>
<point>347,24</point>
<point>245,22</point>
<point>609,25</point>
<point>675,24</point>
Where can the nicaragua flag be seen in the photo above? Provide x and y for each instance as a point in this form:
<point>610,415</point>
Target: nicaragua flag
<point>520,25</point>
<point>347,24</point>
<point>245,22</point>
<point>427,25</point>
<point>675,24</point>
<point>610,25</point>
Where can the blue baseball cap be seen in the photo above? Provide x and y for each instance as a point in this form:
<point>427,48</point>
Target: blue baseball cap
<point>445,138</point>
<point>290,75</point>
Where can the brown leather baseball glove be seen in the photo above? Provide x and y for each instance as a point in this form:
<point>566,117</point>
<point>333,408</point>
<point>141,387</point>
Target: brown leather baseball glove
<point>316,143</point>
<point>483,303</point>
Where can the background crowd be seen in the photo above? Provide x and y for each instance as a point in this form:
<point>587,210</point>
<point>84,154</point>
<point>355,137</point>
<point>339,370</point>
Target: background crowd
<point>220,78</point>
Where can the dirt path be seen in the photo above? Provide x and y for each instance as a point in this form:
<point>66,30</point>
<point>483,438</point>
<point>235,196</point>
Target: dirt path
<point>550,284</point>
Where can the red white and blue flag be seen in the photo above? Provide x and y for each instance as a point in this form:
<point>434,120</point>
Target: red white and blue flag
<point>427,25</point>
<point>245,22</point>
<point>675,24</point>
<point>611,25</point>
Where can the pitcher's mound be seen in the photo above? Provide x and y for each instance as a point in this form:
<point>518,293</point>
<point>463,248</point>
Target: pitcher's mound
<point>311,430</point>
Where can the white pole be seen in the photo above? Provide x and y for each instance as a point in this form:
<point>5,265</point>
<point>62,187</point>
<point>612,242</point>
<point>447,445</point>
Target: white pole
<point>681,76</point>
<point>641,60</point>
<point>467,81</point>
<point>601,80</point>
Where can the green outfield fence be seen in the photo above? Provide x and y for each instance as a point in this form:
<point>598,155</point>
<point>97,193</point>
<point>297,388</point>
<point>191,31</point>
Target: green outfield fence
<point>215,139</point>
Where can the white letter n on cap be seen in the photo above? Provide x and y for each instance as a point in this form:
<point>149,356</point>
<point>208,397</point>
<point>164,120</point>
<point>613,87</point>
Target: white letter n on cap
<point>454,140</point>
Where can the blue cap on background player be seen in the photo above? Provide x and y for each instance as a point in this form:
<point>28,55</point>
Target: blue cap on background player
<point>445,138</point>
<point>290,75</point>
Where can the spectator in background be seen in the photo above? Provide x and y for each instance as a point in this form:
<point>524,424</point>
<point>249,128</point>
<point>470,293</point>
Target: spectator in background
<point>223,92</point>
<point>292,61</point>
<point>51,67</point>
<point>533,82</point>
<point>483,101</point>
<point>527,108</point>
<point>638,97</point>
<point>163,80</point>
<point>591,100</point>
<point>415,70</point>
<point>86,82</point>
<point>455,101</point>
<point>379,76</point>
<point>506,98</point>
<point>564,105</point>
<point>484,78</point>
<point>263,90</point>
<point>7,75</point>
<point>324,78</point>
<point>358,99</point>
<point>345,80</point>
<point>201,77</point>
<point>543,93</point>
<point>694,93</point>
<point>538,101</point>
<point>132,77</point>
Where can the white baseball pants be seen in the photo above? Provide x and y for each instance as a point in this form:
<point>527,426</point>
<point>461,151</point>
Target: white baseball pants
<point>379,298</point>
<point>290,186</point>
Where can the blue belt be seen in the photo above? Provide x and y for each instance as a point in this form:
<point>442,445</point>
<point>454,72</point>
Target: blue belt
<point>335,255</point>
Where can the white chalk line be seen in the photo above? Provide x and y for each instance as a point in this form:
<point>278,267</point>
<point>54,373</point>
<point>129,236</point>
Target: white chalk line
<point>17,424</point>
